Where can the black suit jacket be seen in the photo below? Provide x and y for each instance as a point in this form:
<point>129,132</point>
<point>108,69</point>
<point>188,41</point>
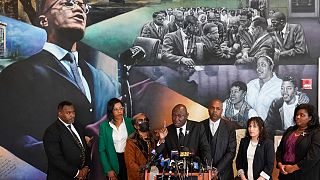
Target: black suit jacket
<point>63,152</point>
<point>307,152</point>
<point>225,147</point>
<point>263,157</point>
<point>194,140</point>
<point>30,91</point>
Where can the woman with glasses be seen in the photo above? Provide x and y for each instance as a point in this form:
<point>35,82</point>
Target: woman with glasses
<point>112,140</point>
<point>298,154</point>
<point>139,148</point>
<point>256,153</point>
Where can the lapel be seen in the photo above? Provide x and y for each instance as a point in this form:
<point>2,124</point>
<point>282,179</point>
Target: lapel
<point>257,44</point>
<point>174,137</point>
<point>278,39</point>
<point>66,131</point>
<point>285,36</point>
<point>186,141</point>
<point>281,115</point>
<point>180,41</point>
<point>154,29</point>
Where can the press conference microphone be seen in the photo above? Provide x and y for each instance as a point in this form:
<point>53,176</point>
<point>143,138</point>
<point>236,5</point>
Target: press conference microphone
<point>132,56</point>
<point>172,164</point>
<point>152,159</point>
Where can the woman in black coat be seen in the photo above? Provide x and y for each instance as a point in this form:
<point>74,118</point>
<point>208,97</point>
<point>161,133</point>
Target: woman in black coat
<point>256,153</point>
<point>298,155</point>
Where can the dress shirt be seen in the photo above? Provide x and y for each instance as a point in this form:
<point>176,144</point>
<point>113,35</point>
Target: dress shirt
<point>250,156</point>
<point>119,136</point>
<point>214,126</point>
<point>73,130</point>
<point>184,127</point>
<point>284,30</point>
<point>59,53</point>
<point>185,41</point>
<point>251,112</point>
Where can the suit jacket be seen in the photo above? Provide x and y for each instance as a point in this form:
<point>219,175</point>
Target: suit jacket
<point>261,46</point>
<point>149,30</point>
<point>172,26</point>
<point>194,140</point>
<point>307,152</point>
<point>63,152</point>
<point>173,50</point>
<point>263,157</point>
<point>275,118</point>
<point>108,155</point>
<point>30,91</point>
<point>225,147</point>
<point>293,42</point>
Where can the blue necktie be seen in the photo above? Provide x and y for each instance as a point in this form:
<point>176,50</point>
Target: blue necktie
<point>74,69</point>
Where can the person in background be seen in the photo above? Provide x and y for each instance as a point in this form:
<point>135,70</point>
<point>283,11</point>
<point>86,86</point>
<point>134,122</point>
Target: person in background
<point>255,157</point>
<point>65,146</point>
<point>298,152</point>
<point>113,136</point>
<point>235,107</point>
<point>139,147</point>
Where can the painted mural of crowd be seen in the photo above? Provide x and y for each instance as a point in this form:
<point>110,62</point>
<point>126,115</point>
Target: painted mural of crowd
<point>203,35</point>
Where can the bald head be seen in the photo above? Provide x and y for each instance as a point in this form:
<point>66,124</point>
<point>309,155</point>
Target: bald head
<point>179,115</point>
<point>215,109</point>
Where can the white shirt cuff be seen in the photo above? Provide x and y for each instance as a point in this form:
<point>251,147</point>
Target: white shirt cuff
<point>240,171</point>
<point>264,175</point>
<point>158,144</point>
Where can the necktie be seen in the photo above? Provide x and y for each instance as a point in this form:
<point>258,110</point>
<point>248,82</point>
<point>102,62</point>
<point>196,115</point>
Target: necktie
<point>160,31</point>
<point>82,155</point>
<point>181,137</point>
<point>212,129</point>
<point>74,69</point>
<point>281,35</point>
<point>190,46</point>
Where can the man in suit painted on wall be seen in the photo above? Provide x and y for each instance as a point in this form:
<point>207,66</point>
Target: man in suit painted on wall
<point>221,136</point>
<point>289,37</point>
<point>177,23</point>
<point>155,29</point>
<point>179,47</point>
<point>185,133</point>
<point>30,89</point>
<point>65,146</point>
<point>262,42</point>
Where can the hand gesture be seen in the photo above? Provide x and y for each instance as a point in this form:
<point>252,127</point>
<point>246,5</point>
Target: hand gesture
<point>112,175</point>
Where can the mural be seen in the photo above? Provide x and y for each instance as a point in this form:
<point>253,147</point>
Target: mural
<point>156,54</point>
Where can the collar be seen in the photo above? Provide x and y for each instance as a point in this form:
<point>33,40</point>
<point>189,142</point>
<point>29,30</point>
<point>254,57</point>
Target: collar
<point>215,123</point>
<point>259,39</point>
<point>184,127</point>
<point>58,51</point>
<point>284,28</point>
<point>111,123</point>
<point>183,35</point>
<point>64,123</point>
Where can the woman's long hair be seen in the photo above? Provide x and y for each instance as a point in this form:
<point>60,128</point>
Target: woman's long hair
<point>110,107</point>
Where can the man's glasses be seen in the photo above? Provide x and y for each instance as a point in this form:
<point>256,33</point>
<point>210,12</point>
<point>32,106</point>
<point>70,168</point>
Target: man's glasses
<point>70,4</point>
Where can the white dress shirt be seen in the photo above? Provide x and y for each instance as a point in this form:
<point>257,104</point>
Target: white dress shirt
<point>73,130</point>
<point>119,136</point>
<point>214,126</point>
<point>184,128</point>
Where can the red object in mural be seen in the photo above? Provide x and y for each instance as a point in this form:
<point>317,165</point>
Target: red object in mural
<point>306,83</point>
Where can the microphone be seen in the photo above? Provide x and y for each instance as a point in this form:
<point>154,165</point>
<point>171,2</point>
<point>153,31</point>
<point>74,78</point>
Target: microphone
<point>132,56</point>
<point>152,159</point>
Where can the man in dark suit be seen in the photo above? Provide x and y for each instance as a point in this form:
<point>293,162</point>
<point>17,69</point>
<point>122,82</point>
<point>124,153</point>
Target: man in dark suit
<point>179,47</point>
<point>289,37</point>
<point>263,42</point>
<point>185,133</point>
<point>155,29</point>
<point>65,146</point>
<point>30,89</point>
<point>221,135</point>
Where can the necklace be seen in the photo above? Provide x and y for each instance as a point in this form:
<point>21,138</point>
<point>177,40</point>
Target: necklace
<point>253,144</point>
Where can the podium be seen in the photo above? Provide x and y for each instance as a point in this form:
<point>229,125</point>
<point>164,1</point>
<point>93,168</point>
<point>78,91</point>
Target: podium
<point>191,176</point>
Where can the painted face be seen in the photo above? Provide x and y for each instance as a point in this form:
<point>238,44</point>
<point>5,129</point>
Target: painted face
<point>213,34</point>
<point>118,111</point>
<point>215,110</point>
<point>66,16</point>
<point>253,129</point>
<point>276,24</point>
<point>288,91</point>
<point>236,95</point>
<point>179,20</point>
<point>67,114</point>
<point>159,19</point>
<point>264,69</point>
<point>244,22</point>
<point>179,116</point>
<point>255,31</point>
<point>302,118</point>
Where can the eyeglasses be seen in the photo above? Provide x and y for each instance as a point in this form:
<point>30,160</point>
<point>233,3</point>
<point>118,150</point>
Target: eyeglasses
<point>139,121</point>
<point>118,109</point>
<point>70,4</point>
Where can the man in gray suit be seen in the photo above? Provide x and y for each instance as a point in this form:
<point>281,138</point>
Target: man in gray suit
<point>221,135</point>
<point>156,28</point>
<point>289,37</point>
